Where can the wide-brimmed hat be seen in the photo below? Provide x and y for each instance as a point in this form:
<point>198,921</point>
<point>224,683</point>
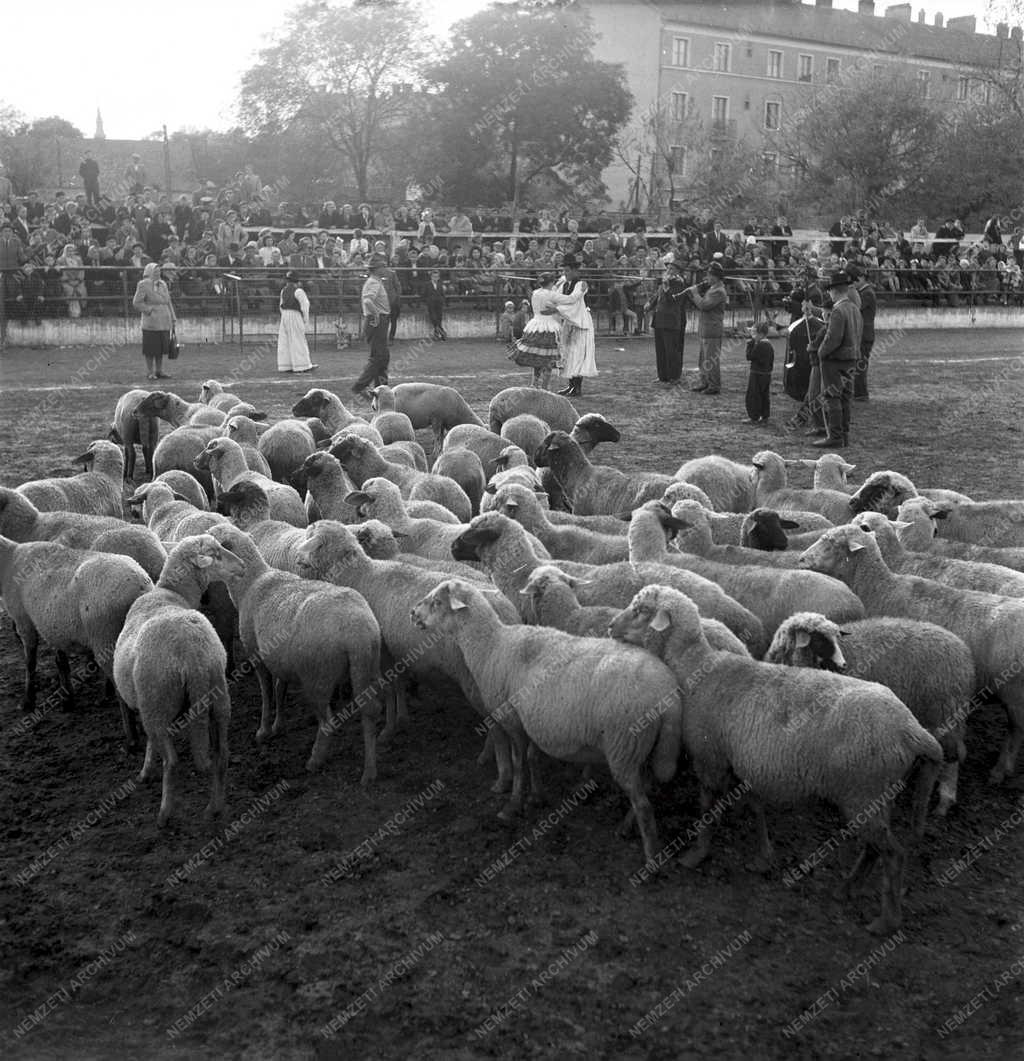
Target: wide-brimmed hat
<point>837,278</point>
<point>716,270</point>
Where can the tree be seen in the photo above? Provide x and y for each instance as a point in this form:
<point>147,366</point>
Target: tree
<point>520,94</point>
<point>41,152</point>
<point>859,145</point>
<point>338,75</point>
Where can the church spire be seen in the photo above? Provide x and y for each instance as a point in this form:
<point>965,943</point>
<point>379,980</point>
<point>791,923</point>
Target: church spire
<point>100,134</point>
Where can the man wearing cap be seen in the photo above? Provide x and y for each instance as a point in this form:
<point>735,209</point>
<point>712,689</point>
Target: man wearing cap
<point>135,176</point>
<point>89,171</point>
<point>868,306</point>
<point>710,298</point>
<point>837,354</point>
<point>669,321</point>
<point>376,318</point>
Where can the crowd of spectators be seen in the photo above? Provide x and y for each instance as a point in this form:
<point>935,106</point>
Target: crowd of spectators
<point>69,254</point>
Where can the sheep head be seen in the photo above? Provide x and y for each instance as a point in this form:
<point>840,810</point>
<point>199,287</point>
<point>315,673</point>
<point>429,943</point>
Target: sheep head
<point>546,578</point>
<point>765,529</point>
<point>885,532</point>
<point>238,546</point>
<point>156,403</point>
<point>350,449</point>
<point>328,546</point>
<point>882,492</point>
<point>918,516</point>
<point>210,388</point>
<point>683,491</point>
<point>550,448</point>
<point>807,639</point>
<point>101,446</point>
<point>377,540</point>
<point>592,428</point>
<point>483,531</point>
<point>212,452</point>
<point>315,464</point>
<point>204,557</point>
<point>838,551</point>
<point>244,496</point>
<point>655,614</point>
<point>312,403</point>
<point>443,602</point>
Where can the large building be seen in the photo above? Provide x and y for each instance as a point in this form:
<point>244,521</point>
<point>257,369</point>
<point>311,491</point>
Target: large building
<point>744,68</point>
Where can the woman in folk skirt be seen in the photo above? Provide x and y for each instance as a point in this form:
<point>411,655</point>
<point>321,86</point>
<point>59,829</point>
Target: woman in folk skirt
<point>292,349</point>
<point>538,347</point>
<point>577,345</point>
<point>158,319</point>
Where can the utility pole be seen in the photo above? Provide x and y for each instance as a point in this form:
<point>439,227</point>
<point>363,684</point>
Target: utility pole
<point>167,163</point>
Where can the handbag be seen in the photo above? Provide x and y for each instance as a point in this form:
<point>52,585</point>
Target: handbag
<point>173,349</point>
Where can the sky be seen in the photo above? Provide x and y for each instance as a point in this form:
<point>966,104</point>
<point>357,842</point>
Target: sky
<point>180,65</point>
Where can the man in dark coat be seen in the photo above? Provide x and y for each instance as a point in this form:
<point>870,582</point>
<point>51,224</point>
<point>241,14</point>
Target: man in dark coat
<point>838,354</point>
<point>868,306</point>
<point>669,320</point>
<point>89,171</point>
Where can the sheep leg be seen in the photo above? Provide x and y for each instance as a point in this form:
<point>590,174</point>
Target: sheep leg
<point>280,692</point>
<point>396,708</point>
<point>147,457</point>
<point>699,851</point>
<point>893,860</point>
<point>438,428</point>
<point>927,772</point>
<point>644,814</point>
<point>129,461</point>
<point>1014,737</point>
<point>148,763</point>
<point>369,723</point>
<point>130,725</point>
<point>536,780</point>
<point>324,730</point>
<point>266,682</point>
<point>503,759</point>
<point>199,738</point>
<point>218,717</point>
<point>866,858</point>
<point>949,775</point>
<point>518,740</point>
<point>67,697</point>
<point>487,752</point>
<point>170,758</point>
<point>30,643</point>
<point>764,860</point>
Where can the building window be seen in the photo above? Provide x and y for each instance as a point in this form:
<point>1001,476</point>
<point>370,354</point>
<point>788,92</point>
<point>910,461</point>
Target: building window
<point>924,79</point>
<point>679,101</point>
<point>677,158</point>
<point>963,86</point>
<point>772,116</point>
<point>831,71</point>
<point>680,51</point>
<point>806,67</point>
<point>775,64</point>
<point>719,110</point>
<point>723,53</point>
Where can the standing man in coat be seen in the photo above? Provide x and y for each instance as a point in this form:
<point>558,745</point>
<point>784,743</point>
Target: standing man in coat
<point>710,298</point>
<point>89,171</point>
<point>376,318</point>
<point>669,319</point>
<point>838,352</point>
<point>868,305</point>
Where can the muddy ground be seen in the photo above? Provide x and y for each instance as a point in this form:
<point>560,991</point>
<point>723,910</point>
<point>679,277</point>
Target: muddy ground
<point>321,920</point>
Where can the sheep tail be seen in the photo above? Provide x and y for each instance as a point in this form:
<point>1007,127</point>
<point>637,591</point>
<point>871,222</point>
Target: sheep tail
<point>923,745</point>
<point>669,742</point>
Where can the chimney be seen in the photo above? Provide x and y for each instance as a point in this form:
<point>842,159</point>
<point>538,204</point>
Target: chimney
<point>1015,34</point>
<point>963,24</point>
<point>866,7</point>
<point>922,18</point>
<point>938,20</point>
<point>899,11</point>
<point>1003,30</point>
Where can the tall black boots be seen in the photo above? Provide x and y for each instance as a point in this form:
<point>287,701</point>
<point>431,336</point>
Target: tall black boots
<point>575,388</point>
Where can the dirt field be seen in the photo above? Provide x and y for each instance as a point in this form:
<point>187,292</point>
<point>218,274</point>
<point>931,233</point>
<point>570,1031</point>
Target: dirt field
<point>321,920</point>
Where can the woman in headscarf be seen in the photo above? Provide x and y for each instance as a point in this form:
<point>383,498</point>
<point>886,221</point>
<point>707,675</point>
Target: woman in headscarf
<point>292,349</point>
<point>153,299</point>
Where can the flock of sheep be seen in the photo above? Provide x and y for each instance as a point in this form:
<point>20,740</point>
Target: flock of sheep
<point>800,642</point>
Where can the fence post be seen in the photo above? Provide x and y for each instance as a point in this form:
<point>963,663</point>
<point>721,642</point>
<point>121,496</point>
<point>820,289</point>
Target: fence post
<point>125,304</point>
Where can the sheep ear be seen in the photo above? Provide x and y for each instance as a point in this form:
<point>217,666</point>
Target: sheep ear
<point>357,498</point>
<point>855,547</point>
<point>455,603</point>
<point>803,639</point>
<point>788,524</point>
<point>899,525</point>
<point>202,560</point>
<point>258,417</point>
<point>849,468</point>
<point>324,443</point>
<point>660,621</point>
<point>490,488</point>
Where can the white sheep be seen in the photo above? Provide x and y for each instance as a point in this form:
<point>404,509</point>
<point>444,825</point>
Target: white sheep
<point>286,445</point>
<point>379,543</point>
<point>965,574</point>
<point>307,635</point>
<point>787,734</point>
<point>328,408</point>
<point>70,598</point>
<point>830,472</point>
<point>576,698</point>
<point>525,431</point>
<point>463,467</point>
<point>97,492</point>
<point>927,667</point>
<point>554,409</point>
<point>361,462</point>
<point>185,484</point>
<point>427,405</point>
<point>769,593</point>
<point>594,489</point>
<point>391,588</point>
<point>991,626</point>
<point>177,451</point>
<point>169,666</point>
<point>394,427</point>
<point>410,453</point>
<point>552,595</point>
<point>885,491</point>
<point>726,483</point>
<point>127,430</point>
<point>212,393</point>
<point>178,412</point>
<point>247,506</point>
<point>328,485</point>
<point>225,461</point>
<point>487,445</point>
<point>696,535</point>
<point>771,491</point>
<point>503,547</point>
<point>996,523</point>
<point>562,541</point>
<point>918,518</point>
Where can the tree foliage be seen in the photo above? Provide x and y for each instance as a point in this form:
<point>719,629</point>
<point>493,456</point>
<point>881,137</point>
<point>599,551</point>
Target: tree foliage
<point>338,76</point>
<point>39,153</point>
<point>519,93</point>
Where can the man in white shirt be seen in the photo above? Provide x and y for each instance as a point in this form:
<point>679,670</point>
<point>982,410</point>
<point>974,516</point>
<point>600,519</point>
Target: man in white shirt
<point>376,318</point>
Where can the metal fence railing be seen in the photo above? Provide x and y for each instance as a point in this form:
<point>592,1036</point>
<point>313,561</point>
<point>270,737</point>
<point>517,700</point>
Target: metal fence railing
<point>245,300</point>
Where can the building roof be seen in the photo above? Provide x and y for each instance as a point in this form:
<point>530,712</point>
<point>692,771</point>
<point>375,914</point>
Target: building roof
<point>829,26</point>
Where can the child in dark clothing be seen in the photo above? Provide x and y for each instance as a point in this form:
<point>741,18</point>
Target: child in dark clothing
<point>761,356</point>
<point>519,318</point>
<point>433,301</point>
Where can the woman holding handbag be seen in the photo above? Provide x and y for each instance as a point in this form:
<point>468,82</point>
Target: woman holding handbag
<point>153,299</point>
